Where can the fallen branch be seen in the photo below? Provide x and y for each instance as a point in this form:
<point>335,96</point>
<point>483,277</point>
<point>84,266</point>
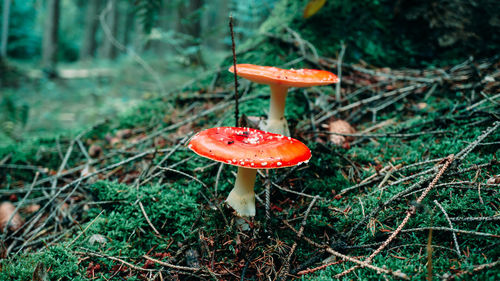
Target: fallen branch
<point>406,219</point>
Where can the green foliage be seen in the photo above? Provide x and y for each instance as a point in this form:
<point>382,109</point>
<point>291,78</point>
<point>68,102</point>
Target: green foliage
<point>390,32</point>
<point>56,261</point>
<point>24,35</point>
<point>147,12</point>
<point>13,115</point>
<point>172,208</point>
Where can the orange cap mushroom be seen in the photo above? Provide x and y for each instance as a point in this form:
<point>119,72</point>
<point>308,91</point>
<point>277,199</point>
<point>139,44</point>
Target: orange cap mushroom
<point>280,80</point>
<point>249,149</point>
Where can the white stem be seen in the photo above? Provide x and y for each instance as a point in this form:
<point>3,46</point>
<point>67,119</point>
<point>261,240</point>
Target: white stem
<point>242,197</point>
<point>276,122</point>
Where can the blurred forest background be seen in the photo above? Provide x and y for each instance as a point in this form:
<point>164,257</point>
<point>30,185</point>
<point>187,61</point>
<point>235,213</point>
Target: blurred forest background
<point>67,63</point>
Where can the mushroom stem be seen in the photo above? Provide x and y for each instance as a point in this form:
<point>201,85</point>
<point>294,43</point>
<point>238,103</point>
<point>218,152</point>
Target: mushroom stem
<point>276,122</point>
<point>242,197</point>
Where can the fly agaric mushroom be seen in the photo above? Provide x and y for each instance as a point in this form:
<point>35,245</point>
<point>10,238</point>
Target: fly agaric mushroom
<point>249,149</point>
<point>280,80</point>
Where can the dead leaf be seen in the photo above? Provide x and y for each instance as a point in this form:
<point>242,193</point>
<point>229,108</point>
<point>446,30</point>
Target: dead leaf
<point>124,134</point>
<point>421,105</point>
<point>30,209</point>
<point>95,151</point>
<point>313,6</point>
<point>97,238</point>
<point>340,127</point>
<point>6,211</point>
<point>494,180</point>
<point>160,142</point>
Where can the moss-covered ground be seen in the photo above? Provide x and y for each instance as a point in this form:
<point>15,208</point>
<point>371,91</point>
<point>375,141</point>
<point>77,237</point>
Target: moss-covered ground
<point>132,202</point>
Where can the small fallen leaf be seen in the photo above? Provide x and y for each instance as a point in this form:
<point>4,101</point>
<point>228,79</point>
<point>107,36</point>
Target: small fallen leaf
<point>494,180</point>
<point>124,134</point>
<point>95,151</point>
<point>97,238</point>
<point>341,127</point>
<point>421,105</point>
<point>6,211</point>
<point>312,7</point>
<point>30,209</point>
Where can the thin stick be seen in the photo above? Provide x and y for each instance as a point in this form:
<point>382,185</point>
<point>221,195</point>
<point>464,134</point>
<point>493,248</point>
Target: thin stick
<point>474,219</point>
<point>457,248</point>
<point>483,234</point>
<point>286,267</point>
<point>461,155</point>
<point>395,273</point>
<point>339,72</point>
<point>83,231</point>
<point>406,219</point>
<point>61,167</point>
<point>176,267</point>
<point>236,105</point>
<point>148,220</point>
<point>268,201</point>
<point>88,253</point>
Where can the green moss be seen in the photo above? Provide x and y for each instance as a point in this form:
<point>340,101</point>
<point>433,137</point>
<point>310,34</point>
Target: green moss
<point>56,261</point>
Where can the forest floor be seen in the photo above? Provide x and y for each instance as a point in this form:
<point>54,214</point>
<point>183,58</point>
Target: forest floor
<point>412,193</point>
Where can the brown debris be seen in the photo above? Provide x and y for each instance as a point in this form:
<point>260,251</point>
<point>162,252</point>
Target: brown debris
<point>6,211</point>
<point>95,151</point>
<point>493,180</point>
<point>341,127</point>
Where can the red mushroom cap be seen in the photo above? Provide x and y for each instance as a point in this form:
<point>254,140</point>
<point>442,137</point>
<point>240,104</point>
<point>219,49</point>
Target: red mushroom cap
<point>249,148</point>
<point>285,77</point>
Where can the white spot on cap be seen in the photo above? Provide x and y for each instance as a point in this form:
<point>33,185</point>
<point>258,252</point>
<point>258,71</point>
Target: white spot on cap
<point>242,163</point>
<point>279,164</point>
<point>228,161</point>
<point>252,164</point>
<point>264,164</point>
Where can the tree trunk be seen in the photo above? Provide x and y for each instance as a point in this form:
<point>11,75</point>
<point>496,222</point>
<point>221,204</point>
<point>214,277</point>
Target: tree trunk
<point>109,50</point>
<point>128,25</point>
<point>189,22</point>
<point>5,28</point>
<point>51,38</point>
<point>215,25</point>
<point>166,21</point>
<point>88,48</point>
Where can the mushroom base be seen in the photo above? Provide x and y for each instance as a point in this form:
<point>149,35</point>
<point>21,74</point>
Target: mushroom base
<point>242,197</point>
<point>277,126</point>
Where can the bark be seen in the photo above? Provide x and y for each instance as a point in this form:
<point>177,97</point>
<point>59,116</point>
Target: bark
<point>109,50</point>
<point>88,48</point>
<point>5,28</point>
<point>51,37</point>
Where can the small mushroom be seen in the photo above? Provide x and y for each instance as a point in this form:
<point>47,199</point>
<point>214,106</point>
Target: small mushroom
<point>280,80</point>
<point>249,149</point>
